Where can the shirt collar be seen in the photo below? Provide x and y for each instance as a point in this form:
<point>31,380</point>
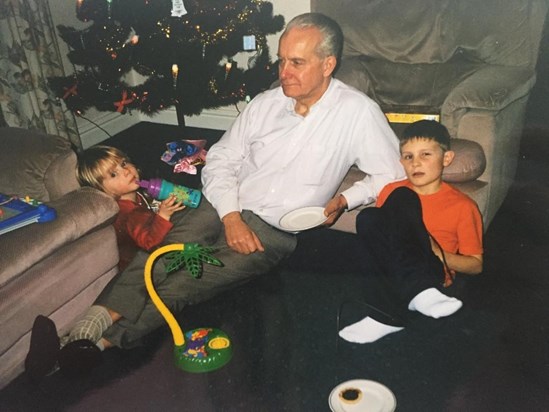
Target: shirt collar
<point>325,101</point>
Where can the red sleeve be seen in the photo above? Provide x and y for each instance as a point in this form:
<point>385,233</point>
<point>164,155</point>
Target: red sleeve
<point>144,227</point>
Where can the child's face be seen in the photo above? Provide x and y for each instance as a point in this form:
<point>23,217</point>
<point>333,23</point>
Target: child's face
<point>121,180</point>
<point>423,160</point>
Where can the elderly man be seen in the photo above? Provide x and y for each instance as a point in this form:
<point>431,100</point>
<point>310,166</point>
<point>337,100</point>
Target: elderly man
<point>290,148</point>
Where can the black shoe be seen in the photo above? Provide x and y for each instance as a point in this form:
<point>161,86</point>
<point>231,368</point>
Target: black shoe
<point>79,357</point>
<point>44,347</point>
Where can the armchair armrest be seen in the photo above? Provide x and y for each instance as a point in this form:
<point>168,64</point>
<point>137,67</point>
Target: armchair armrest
<point>490,88</point>
<point>78,213</point>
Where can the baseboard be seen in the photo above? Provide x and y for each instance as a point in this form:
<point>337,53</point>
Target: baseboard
<point>218,119</point>
<point>105,124</point>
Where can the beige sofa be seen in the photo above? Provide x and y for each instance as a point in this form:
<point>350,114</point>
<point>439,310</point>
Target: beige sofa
<point>56,268</point>
<point>470,62</point>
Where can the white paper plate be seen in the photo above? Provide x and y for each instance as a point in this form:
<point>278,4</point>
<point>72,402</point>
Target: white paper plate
<point>375,397</point>
<point>303,219</point>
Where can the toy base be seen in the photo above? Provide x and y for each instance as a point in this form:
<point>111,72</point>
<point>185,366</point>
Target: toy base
<point>205,350</point>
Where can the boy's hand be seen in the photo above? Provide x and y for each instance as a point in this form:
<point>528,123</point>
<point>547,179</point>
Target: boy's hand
<point>169,206</point>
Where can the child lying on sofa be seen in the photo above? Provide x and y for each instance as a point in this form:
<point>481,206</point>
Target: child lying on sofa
<point>137,227</point>
<point>420,234</point>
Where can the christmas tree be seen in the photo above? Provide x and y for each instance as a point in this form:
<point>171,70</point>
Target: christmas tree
<point>183,48</point>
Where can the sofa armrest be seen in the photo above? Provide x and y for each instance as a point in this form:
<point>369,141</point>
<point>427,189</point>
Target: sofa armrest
<point>490,88</point>
<point>35,164</point>
<point>78,213</point>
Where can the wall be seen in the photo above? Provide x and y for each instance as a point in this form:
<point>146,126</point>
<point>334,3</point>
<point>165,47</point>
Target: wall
<point>64,12</point>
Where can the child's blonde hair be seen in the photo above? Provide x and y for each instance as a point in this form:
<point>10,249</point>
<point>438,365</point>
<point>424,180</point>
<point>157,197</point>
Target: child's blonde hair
<point>96,162</point>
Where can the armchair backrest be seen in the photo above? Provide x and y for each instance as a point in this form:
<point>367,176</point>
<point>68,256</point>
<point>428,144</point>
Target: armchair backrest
<point>497,32</point>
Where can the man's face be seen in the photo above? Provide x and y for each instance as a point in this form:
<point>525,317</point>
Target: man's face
<point>303,74</point>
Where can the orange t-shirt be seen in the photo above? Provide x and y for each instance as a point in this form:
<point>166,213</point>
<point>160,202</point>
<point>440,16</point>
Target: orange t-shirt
<point>450,216</point>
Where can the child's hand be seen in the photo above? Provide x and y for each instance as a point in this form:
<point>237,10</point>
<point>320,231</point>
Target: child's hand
<point>169,206</point>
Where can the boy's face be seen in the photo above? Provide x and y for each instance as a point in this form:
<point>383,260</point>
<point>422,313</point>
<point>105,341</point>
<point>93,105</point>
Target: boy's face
<point>121,180</point>
<point>423,160</point>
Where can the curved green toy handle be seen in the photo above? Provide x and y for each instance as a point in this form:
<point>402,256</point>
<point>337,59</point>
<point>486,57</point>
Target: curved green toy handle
<point>177,333</point>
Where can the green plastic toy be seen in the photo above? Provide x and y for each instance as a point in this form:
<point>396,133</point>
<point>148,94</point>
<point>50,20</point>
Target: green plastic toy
<point>206,349</point>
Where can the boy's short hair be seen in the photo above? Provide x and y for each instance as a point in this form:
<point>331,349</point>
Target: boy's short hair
<point>427,129</point>
<point>94,163</point>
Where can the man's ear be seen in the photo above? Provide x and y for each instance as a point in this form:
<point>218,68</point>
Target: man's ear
<point>329,65</point>
<point>448,157</point>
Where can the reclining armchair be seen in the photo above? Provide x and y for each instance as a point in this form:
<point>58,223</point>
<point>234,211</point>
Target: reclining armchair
<point>470,63</point>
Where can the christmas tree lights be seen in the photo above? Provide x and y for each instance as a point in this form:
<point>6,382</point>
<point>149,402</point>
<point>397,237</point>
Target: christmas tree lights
<point>184,49</point>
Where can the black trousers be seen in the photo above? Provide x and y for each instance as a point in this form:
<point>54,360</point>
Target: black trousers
<point>397,257</point>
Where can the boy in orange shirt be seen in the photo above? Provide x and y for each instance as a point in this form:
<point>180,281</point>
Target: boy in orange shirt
<point>420,234</point>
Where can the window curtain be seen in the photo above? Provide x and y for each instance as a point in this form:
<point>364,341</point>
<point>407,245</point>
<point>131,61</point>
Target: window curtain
<point>29,54</point>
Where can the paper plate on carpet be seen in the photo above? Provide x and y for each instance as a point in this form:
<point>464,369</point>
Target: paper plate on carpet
<point>361,395</point>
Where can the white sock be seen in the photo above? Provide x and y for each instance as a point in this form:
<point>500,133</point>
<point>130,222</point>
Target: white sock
<point>367,330</point>
<point>435,304</point>
<point>96,321</point>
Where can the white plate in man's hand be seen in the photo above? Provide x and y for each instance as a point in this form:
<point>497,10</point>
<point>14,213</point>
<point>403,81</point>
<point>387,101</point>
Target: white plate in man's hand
<point>303,218</point>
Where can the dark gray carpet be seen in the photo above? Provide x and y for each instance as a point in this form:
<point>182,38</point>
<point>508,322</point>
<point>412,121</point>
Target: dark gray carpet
<point>493,355</point>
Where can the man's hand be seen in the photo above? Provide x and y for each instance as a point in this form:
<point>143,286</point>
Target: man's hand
<point>239,236</point>
<point>334,209</point>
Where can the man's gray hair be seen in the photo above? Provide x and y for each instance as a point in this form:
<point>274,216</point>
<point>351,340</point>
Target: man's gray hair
<point>332,36</point>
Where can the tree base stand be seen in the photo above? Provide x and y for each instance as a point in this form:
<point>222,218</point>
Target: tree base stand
<point>180,115</point>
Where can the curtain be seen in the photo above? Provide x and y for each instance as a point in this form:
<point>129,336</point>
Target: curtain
<point>29,54</point>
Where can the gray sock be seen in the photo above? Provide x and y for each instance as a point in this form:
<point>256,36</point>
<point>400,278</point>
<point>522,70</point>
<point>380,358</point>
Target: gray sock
<point>96,321</point>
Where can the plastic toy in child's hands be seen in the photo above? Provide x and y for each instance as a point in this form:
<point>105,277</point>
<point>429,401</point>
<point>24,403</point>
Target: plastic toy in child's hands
<point>185,155</point>
<point>206,349</point>
<point>161,189</point>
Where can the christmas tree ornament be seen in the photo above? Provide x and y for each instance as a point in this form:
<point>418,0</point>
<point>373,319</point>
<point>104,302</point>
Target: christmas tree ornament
<point>109,8</point>
<point>178,8</point>
<point>70,91</point>
<point>248,43</point>
<point>228,67</point>
<point>120,105</point>
<point>175,71</point>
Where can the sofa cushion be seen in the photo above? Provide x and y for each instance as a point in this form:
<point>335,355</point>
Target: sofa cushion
<point>78,213</point>
<point>468,164</point>
<point>36,164</point>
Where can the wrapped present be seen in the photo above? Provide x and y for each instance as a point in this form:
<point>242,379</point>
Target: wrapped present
<point>185,155</point>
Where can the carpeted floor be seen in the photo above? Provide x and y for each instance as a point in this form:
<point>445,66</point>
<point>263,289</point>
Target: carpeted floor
<point>492,355</point>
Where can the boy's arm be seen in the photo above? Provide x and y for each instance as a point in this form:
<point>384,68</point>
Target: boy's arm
<point>467,264</point>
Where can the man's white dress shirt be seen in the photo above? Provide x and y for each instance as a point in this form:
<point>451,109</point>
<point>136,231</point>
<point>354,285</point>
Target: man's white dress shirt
<point>272,160</point>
